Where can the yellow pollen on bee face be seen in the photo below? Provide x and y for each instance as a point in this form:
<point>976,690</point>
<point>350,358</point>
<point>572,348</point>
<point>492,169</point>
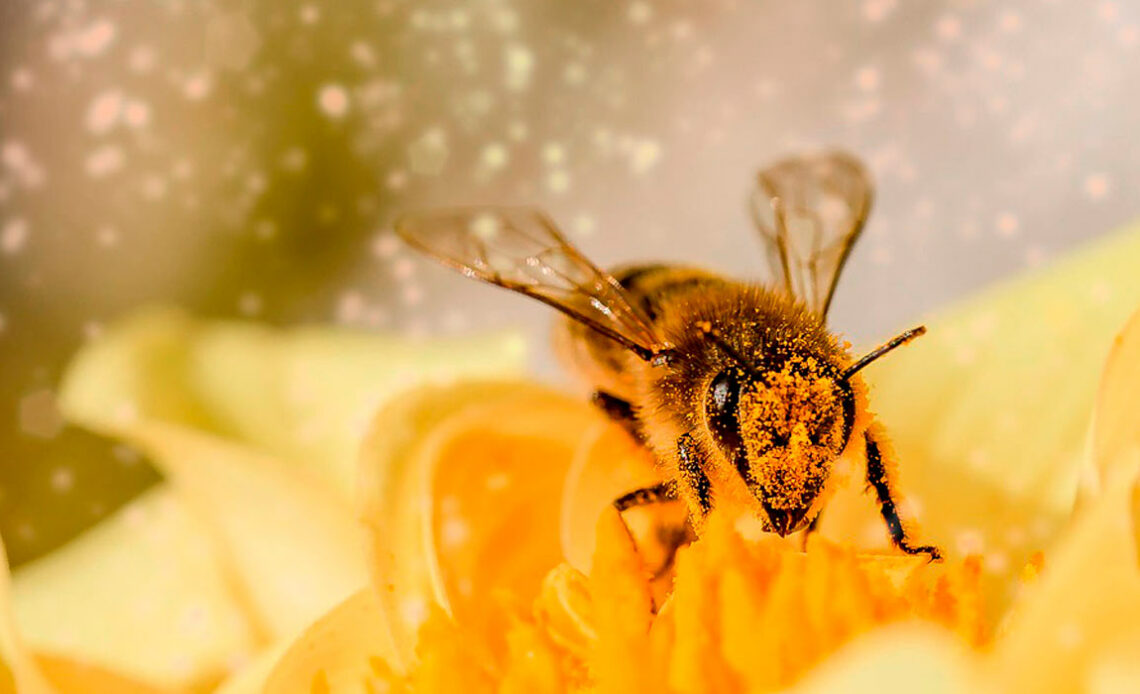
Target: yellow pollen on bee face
<point>791,425</point>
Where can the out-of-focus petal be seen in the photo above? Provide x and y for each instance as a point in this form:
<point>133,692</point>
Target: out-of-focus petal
<point>291,546</point>
<point>344,651</point>
<point>305,394</point>
<point>143,593</point>
<point>70,676</point>
<point>1084,609</point>
<point>989,412</point>
<point>1116,421</point>
<point>250,677</point>
<point>460,491</point>
<point>898,660</point>
<point>18,670</point>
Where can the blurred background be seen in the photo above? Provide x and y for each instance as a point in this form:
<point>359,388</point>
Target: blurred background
<point>246,159</point>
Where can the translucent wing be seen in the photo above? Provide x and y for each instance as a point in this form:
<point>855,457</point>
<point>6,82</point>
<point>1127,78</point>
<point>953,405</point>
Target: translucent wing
<point>522,250</point>
<point>810,211</point>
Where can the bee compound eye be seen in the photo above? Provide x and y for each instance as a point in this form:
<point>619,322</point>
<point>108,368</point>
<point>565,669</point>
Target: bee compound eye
<point>724,394</point>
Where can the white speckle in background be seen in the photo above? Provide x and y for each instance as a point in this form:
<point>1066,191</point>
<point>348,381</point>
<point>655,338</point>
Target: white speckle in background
<point>644,154</point>
<point>350,307</point>
<point>553,153</point>
<point>136,114</point>
<point>403,269</point>
<point>385,245</point>
<point>867,78</point>
<point>1007,224</point>
<point>96,38</point>
<point>198,85</point>
<point>948,28</point>
<point>640,12</point>
<point>558,181</point>
<point>309,14</point>
<point>104,161</point>
<point>412,295</point>
<point>333,100</point>
<point>107,236</point>
<point>428,154</point>
<point>583,226</point>
<point>1010,21</point>
<point>396,180</point>
<point>1096,186</point>
<point>13,236</point>
<point>494,156</point>
<point>519,65</point>
<point>22,79</point>
<point>877,10</point>
<point>265,230</point>
<point>103,113</point>
<point>250,304</point>
<point>141,59</point>
<point>62,479</point>
<point>39,415</point>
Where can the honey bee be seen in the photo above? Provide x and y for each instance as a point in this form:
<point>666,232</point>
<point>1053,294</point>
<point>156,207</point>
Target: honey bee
<point>739,389</point>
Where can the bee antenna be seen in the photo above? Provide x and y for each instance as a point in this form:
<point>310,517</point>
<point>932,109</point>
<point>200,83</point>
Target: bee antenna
<point>718,339</point>
<point>897,341</point>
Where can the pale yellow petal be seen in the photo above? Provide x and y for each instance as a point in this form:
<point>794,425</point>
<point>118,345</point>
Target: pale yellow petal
<point>250,677</point>
<point>989,411</point>
<point>899,659</point>
<point>142,593</point>
<point>1070,626</point>
<point>292,545</point>
<point>344,652</point>
<point>305,394</point>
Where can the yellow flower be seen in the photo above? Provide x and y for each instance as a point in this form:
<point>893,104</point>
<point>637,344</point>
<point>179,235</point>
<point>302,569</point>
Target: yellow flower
<point>481,550</point>
<point>492,571</point>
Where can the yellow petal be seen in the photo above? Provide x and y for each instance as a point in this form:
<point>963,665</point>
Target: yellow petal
<point>304,394</point>
<point>989,412</point>
<point>900,659</point>
<point>250,676</point>
<point>345,651</point>
<point>622,610</point>
<point>607,464</point>
<point>1085,605</point>
<point>450,476</point>
<point>74,677</point>
<point>142,593</point>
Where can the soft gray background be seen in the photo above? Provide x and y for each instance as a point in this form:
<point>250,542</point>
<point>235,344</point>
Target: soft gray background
<point>247,158</point>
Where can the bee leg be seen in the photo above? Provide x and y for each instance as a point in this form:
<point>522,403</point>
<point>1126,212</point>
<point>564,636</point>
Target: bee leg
<point>620,411</point>
<point>877,478</point>
<point>691,465</point>
<point>671,538</point>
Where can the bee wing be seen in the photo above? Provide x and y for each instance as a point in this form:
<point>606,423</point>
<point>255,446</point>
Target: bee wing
<point>810,211</point>
<point>522,250</point>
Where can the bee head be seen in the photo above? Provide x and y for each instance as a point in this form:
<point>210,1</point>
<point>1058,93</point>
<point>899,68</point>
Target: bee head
<point>782,429</point>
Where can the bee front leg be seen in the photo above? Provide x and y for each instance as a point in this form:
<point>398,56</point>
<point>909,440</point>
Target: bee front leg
<point>878,479</point>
